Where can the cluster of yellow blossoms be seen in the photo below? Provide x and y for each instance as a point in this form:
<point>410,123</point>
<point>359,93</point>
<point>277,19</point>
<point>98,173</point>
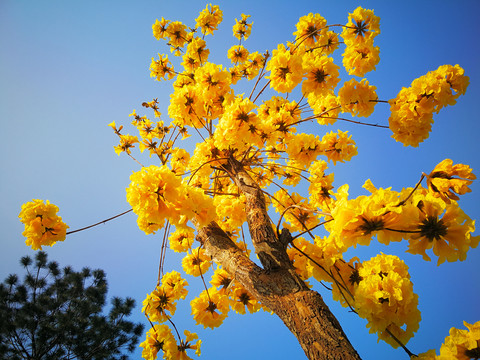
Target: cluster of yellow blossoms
<point>156,194</point>
<point>459,345</point>
<point>361,56</point>
<point>418,215</point>
<point>160,306</point>
<point>380,289</point>
<point>268,141</point>
<point>413,108</point>
<point>43,227</point>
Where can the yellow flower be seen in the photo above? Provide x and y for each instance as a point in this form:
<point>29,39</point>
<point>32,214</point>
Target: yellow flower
<point>196,262</point>
<point>126,143</point>
<point>161,68</point>
<point>159,337</point>
<point>222,279</point>
<point>231,210</point>
<point>188,344</point>
<point>412,110</point>
<point>442,227</point>
<point>240,119</point>
<point>155,194</point>
<point>285,68</point>
<point>346,279</point>
<point>43,227</point>
<point>321,185</point>
<point>159,306</point>
<point>360,59</point>
<point>357,98</point>
<point>160,28</point>
<point>242,29</point>
<point>186,106</point>
<point>210,308</point>
<point>384,296</point>
<point>321,74</point>
<point>212,80</point>
<point>296,210</point>
<point>176,32</point>
<point>462,344</point>
<point>311,29</point>
<point>181,239</point>
<point>303,149</point>
<point>331,43</point>
<point>238,54</point>
<point>446,180</point>
<point>174,285</point>
<point>241,299</point>
<point>196,55</point>
<point>179,160</point>
<point>209,19</point>
<point>338,146</point>
<point>325,107</point>
<point>299,260</point>
<point>362,27</point>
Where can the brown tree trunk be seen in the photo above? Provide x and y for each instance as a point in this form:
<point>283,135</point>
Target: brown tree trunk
<point>276,285</point>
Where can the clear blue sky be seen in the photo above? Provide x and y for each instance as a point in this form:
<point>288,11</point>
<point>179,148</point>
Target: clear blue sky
<point>68,68</point>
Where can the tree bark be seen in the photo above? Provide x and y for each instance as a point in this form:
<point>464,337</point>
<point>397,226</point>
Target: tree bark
<point>276,285</point>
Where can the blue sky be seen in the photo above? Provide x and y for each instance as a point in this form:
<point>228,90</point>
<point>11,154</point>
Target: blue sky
<point>67,69</point>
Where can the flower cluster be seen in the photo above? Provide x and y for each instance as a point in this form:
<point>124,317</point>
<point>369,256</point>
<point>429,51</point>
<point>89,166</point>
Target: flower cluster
<point>156,194</point>
<point>43,227</point>
<point>211,307</point>
<point>447,180</point>
<point>361,56</point>
<point>384,296</point>
<point>412,110</point>
<point>424,220</point>
<point>160,306</point>
<point>460,344</point>
<point>242,28</point>
<point>209,19</point>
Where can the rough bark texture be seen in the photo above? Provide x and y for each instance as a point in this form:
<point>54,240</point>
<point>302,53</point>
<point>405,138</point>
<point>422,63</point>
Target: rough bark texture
<point>276,285</point>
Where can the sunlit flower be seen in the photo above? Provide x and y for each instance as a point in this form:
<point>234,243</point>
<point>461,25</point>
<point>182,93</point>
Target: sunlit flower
<point>43,227</point>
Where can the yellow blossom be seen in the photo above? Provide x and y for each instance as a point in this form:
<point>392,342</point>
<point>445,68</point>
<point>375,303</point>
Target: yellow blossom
<point>43,227</point>
<point>446,180</point>
<point>384,296</point>
<point>160,28</point>
<point>159,337</point>
<point>442,227</point>
<point>209,19</point>
<point>242,29</point>
<point>285,68</point>
<point>241,299</point>
<point>181,239</point>
<point>338,146</point>
<point>321,74</point>
<point>362,27</point>
<point>161,68</point>
<point>126,143</point>
<point>357,98</point>
<point>196,262</point>
<point>360,59</point>
<point>311,29</point>
<point>210,308</point>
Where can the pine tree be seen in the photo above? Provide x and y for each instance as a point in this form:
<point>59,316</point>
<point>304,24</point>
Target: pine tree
<point>58,314</point>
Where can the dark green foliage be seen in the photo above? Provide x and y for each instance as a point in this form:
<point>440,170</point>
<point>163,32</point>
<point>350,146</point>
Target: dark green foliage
<point>57,314</point>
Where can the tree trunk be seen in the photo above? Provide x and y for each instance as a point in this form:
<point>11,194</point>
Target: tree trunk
<point>276,285</point>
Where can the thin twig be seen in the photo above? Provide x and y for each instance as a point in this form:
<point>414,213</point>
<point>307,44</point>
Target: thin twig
<point>101,222</point>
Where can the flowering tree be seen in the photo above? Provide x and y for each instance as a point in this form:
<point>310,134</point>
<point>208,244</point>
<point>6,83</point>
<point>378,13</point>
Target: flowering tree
<point>257,193</point>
